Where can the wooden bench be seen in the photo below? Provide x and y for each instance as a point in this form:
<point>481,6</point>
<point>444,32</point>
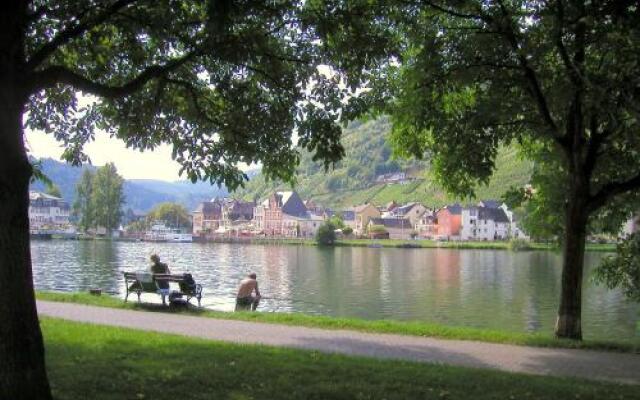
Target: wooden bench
<point>142,282</point>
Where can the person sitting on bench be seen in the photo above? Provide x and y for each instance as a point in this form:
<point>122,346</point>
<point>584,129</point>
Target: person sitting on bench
<point>158,267</point>
<point>245,299</point>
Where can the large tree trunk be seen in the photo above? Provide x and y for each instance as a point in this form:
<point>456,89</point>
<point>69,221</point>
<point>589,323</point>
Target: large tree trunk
<point>22,367</point>
<point>568,324</point>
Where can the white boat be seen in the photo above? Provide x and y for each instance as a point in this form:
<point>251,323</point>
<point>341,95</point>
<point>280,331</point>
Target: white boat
<point>163,233</point>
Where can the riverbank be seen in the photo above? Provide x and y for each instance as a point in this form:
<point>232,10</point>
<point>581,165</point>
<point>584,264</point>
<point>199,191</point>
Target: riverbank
<point>415,328</point>
<point>99,362</point>
<point>421,244</point>
<point>386,243</point>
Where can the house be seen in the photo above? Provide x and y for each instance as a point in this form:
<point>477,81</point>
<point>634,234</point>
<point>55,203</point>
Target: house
<point>427,225</point>
<point>314,208</point>
<point>363,214</point>
<point>449,222</point>
<point>207,217</point>
<point>390,206</point>
<point>393,177</point>
<point>234,211</point>
<point>47,212</point>
<point>484,223</point>
<point>309,226</point>
<point>411,211</point>
<point>348,218</point>
<point>397,228</point>
<point>280,215</point>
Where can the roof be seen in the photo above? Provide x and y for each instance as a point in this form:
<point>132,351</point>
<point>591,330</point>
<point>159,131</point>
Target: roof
<point>239,209</point>
<point>292,204</point>
<point>42,196</point>
<point>208,207</point>
<point>490,203</point>
<point>495,214</point>
<point>454,208</point>
<point>406,209</point>
<point>399,223</point>
<point>361,207</point>
<point>348,215</point>
<point>289,202</point>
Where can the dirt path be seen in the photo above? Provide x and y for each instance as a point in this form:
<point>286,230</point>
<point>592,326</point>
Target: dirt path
<point>618,367</point>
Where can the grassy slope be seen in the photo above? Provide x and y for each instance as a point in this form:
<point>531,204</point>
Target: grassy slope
<point>378,326</point>
<point>96,362</point>
<point>366,149</point>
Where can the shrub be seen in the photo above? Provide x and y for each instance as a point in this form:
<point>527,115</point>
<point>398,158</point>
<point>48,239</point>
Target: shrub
<point>519,245</point>
<point>377,229</point>
<point>623,269</point>
<point>347,230</point>
<point>326,235</point>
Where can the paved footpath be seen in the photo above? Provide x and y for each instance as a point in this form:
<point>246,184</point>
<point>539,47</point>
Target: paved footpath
<point>609,366</point>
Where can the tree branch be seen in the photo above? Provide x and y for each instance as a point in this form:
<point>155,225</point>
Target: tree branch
<point>610,190</point>
<point>37,13</point>
<point>532,78</point>
<point>452,12</point>
<point>574,72</point>
<point>59,74</point>
<point>70,33</point>
<point>188,86</point>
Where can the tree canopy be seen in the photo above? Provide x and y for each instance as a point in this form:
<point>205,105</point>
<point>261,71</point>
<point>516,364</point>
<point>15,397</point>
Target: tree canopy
<point>222,82</point>
<point>174,214</point>
<point>107,197</point>
<point>99,198</point>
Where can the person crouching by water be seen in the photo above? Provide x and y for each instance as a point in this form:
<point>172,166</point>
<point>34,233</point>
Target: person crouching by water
<point>245,299</point>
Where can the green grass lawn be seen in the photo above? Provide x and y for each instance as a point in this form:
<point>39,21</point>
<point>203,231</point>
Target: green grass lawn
<point>413,328</point>
<point>97,362</point>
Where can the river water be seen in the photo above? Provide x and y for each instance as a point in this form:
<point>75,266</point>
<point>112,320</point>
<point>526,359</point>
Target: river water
<point>497,289</point>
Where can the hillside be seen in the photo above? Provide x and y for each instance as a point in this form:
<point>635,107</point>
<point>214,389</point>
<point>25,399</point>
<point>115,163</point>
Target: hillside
<point>140,194</point>
<point>353,180</point>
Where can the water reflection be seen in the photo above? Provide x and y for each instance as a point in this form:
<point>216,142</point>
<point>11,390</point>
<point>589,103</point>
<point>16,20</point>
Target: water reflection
<point>477,288</point>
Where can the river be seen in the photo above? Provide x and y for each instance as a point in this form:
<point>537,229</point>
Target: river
<point>496,289</point>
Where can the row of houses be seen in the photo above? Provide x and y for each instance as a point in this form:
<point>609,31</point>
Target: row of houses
<point>487,220</point>
<point>286,214</point>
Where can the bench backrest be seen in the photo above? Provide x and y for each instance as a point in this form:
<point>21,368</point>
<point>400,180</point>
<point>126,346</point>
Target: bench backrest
<point>185,281</point>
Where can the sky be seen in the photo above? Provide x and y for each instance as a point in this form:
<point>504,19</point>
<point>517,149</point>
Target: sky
<point>131,164</point>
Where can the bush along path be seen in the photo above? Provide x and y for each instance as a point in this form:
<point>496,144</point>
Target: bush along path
<point>606,366</point>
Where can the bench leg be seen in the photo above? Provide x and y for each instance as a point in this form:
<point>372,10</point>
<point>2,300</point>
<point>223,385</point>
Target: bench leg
<point>138,293</point>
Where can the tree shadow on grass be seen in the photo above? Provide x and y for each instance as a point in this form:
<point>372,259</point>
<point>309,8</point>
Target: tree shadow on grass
<point>96,362</point>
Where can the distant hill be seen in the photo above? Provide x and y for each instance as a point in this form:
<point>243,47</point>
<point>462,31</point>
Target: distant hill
<point>140,194</point>
<point>368,156</point>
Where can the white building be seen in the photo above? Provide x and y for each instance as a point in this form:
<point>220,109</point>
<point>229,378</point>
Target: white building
<point>47,212</point>
<point>484,223</point>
